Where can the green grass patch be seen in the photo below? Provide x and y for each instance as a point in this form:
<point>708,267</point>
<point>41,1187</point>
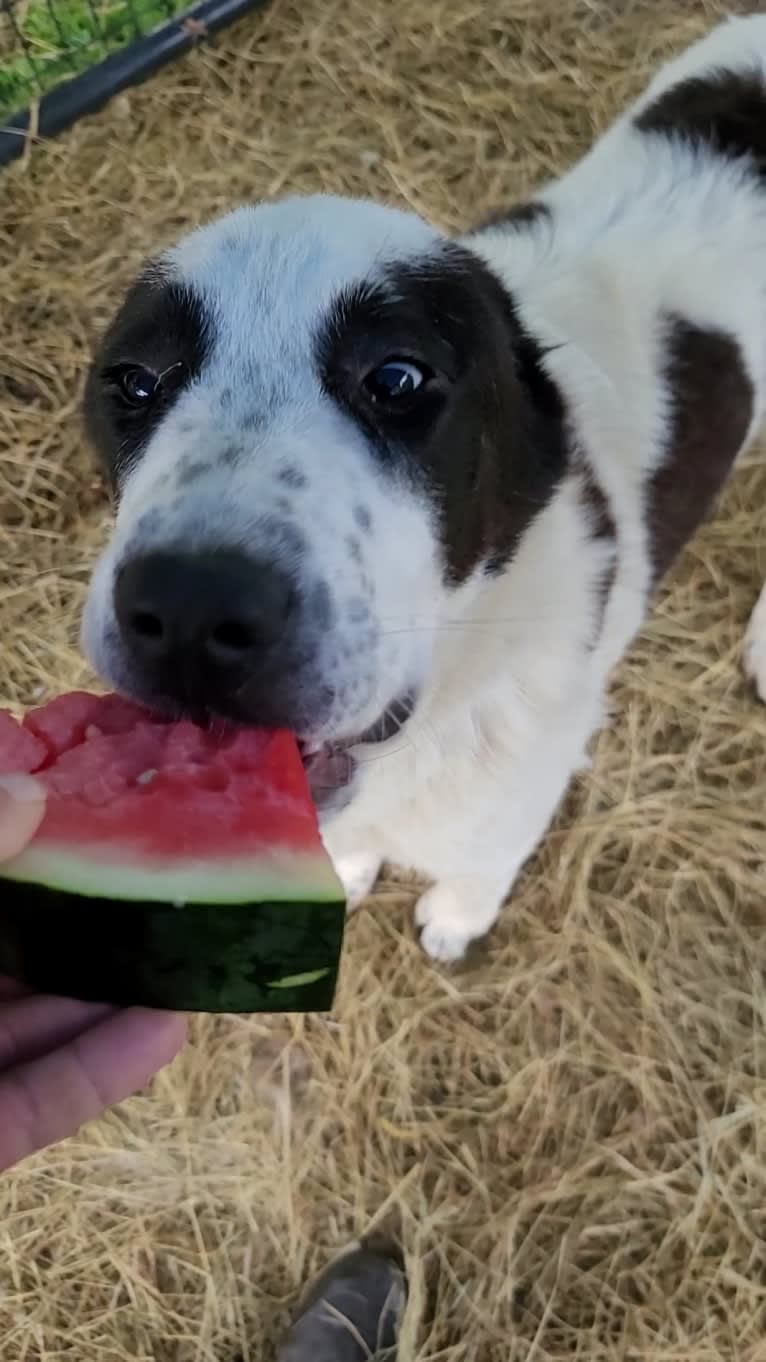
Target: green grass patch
<point>44,42</point>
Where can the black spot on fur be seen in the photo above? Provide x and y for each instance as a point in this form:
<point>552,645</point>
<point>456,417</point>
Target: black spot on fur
<point>603,529</point>
<point>161,325</point>
<point>363,518</point>
<point>149,522</point>
<point>600,516</point>
<point>230,456</point>
<point>712,397</point>
<point>283,534</point>
<point>354,548</point>
<point>292,477</point>
<point>192,470</point>
<point>485,437</point>
<point>320,608</point>
<point>723,110</point>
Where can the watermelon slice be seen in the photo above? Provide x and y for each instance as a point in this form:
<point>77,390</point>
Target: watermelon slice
<point>175,867</point>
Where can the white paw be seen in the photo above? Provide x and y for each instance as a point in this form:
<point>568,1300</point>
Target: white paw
<point>357,873</point>
<point>755,647</point>
<point>447,924</point>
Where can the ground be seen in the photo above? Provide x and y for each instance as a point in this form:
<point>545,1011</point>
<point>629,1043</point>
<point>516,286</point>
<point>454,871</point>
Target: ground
<point>569,1132</point>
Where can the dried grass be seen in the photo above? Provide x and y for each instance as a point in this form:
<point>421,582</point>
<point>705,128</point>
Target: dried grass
<point>570,1132</point>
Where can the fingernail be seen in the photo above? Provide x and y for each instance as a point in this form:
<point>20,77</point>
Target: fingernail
<point>22,789</point>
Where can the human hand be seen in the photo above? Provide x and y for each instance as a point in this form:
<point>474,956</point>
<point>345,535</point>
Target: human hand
<point>64,1062</point>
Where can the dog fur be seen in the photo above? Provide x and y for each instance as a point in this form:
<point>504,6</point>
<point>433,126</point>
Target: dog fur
<point>471,561</point>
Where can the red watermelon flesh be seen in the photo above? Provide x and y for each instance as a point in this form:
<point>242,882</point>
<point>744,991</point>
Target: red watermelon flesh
<point>156,815</point>
<point>161,800</point>
<point>19,750</point>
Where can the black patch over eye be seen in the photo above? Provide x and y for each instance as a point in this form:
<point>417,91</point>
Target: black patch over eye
<point>395,382</point>
<point>481,429</point>
<point>155,348</point>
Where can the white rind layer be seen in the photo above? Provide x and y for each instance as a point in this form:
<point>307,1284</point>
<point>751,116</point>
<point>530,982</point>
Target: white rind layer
<point>274,876</point>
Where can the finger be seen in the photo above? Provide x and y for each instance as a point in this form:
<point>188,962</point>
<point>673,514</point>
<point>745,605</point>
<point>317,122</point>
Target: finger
<point>35,1025</point>
<point>22,805</point>
<point>51,1097</point>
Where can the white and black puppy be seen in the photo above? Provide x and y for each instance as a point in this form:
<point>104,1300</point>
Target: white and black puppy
<point>410,496</point>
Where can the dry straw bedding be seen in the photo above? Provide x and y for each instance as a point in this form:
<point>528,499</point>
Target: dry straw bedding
<point>569,1133</point>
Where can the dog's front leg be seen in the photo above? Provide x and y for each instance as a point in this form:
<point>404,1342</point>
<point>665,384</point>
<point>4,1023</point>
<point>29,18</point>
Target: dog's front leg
<point>479,863</point>
<point>356,854</point>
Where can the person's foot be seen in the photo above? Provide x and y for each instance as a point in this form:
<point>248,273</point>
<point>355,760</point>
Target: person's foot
<point>352,1312</point>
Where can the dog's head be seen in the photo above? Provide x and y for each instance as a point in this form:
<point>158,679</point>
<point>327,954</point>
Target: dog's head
<point>322,421</point>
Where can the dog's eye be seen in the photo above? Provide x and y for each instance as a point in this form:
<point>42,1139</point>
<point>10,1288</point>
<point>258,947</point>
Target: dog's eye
<point>137,386</point>
<point>394,381</point>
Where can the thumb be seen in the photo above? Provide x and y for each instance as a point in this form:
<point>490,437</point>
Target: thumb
<point>22,805</point>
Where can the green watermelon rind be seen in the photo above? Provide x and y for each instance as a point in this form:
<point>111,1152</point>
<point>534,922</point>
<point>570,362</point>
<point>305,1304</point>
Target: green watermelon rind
<point>262,957</point>
<point>289,876</point>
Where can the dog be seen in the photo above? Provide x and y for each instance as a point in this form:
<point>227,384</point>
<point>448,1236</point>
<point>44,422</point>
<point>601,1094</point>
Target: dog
<point>410,496</point>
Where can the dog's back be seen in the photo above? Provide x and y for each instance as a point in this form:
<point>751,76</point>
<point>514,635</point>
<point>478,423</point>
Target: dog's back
<point>644,271</point>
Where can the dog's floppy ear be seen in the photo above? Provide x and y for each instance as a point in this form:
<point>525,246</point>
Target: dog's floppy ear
<point>501,445</point>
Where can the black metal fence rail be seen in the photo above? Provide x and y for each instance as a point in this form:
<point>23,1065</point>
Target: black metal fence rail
<point>139,54</point>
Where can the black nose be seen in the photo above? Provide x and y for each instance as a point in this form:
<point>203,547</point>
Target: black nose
<point>201,620</point>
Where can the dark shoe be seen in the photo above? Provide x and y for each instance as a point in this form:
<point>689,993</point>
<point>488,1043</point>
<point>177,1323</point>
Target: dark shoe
<point>351,1313</point>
